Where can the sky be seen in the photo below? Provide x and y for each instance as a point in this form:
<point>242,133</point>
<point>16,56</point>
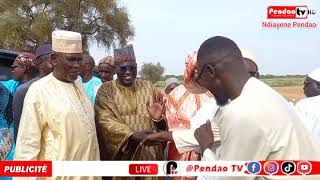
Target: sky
<point>166,30</point>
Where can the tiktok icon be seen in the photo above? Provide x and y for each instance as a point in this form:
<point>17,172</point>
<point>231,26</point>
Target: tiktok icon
<point>288,167</point>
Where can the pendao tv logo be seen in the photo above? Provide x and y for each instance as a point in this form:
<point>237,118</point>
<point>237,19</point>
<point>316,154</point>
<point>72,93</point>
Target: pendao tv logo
<point>171,167</point>
<point>289,12</point>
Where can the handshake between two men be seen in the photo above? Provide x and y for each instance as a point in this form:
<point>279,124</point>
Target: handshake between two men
<point>162,135</point>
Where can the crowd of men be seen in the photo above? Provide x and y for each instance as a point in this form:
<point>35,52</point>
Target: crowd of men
<point>57,109</point>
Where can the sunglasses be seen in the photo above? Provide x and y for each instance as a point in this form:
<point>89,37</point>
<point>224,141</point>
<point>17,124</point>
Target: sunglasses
<point>254,74</point>
<point>125,68</point>
<point>13,67</point>
<point>197,75</point>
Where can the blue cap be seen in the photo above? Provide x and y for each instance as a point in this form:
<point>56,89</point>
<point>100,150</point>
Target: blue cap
<point>43,50</point>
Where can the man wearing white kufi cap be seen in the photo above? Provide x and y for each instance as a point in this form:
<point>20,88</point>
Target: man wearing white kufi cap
<point>250,62</point>
<point>170,84</point>
<point>308,108</point>
<point>57,121</point>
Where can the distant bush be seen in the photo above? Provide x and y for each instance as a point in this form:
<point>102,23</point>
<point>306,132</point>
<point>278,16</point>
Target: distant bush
<point>271,80</point>
<point>151,72</point>
<point>165,77</point>
<point>269,76</point>
<point>284,81</point>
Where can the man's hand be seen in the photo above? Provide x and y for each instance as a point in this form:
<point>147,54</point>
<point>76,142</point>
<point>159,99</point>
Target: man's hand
<point>204,136</point>
<point>157,138</point>
<point>157,108</point>
<point>161,125</point>
<point>139,136</point>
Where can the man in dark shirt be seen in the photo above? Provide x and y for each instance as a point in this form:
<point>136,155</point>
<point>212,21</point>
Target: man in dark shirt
<point>43,63</point>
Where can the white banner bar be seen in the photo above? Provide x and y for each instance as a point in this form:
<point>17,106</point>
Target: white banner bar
<point>159,168</point>
<point>148,168</point>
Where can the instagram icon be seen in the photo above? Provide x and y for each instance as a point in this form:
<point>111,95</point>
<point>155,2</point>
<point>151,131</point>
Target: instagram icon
<point>271,167</point>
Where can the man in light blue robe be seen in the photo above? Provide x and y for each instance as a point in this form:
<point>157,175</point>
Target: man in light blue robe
<point>89,81</point>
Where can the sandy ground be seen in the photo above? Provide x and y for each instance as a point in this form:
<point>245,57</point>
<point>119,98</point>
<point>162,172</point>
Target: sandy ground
<point>291,93</point>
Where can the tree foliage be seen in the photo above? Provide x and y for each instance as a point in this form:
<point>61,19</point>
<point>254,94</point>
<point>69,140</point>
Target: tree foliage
<point>26,24</point>
<point>151,72</point>
<point>167,76</point>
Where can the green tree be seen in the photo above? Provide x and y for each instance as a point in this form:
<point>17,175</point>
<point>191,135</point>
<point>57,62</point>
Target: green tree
<point>26,24</point>
<point>151,72</point>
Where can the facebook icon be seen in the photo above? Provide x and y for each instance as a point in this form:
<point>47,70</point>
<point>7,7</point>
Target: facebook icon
<point>254,167</point>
